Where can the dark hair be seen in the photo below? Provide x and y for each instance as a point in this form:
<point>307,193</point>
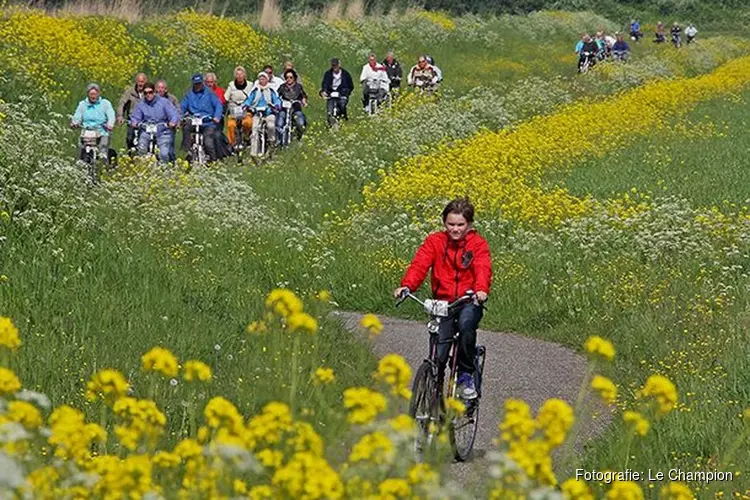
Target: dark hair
<point>290,72</point>
<point>268,66</point>
<point>150,85</point>
<point>460,206</point>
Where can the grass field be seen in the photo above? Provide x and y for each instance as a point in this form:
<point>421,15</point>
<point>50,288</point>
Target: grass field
<point>614,205</point>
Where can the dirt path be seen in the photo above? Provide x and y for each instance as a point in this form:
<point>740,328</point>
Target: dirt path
<point>516,367</point>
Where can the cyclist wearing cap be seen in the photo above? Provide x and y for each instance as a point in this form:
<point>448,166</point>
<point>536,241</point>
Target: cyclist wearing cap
<point>273,81</point>
<point>458,260</point>
<point>336,79</point>
<point>201,101</point>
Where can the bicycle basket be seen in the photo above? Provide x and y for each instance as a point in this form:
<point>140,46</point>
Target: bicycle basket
<point>437,308</point>
<point>90,136</point>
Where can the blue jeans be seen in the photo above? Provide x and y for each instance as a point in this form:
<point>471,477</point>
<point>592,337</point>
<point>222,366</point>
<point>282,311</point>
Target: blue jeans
<point>165,142</point>
<point>465,320</point>
<point>299,121</point>
<point>341,101</point>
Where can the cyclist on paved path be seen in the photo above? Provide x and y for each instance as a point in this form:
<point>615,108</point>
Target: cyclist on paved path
<point>458,260</point>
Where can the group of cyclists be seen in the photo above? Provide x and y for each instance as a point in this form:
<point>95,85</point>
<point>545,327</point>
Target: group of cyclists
<point>660,32</point>
<point>266,110</point>
<point>601,46</point>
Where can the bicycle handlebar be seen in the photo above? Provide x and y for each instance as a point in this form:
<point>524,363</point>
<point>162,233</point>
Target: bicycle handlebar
<point>468,296</point>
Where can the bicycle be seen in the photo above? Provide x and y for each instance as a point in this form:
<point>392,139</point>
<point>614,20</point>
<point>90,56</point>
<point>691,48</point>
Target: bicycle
<point>259,135</point>
<point>333,118</point>
<point>241,138</point>
<point>150,129</point>
<point>289,109</point>
<point>197,149</point>
<point>585,62</point>
<point>427,405</point>
<point>90,139</point>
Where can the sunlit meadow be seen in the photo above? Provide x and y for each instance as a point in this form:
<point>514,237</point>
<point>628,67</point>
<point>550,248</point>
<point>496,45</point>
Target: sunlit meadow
<point>168,333</point>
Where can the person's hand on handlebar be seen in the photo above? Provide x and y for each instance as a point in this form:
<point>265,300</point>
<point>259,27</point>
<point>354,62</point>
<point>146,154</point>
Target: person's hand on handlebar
<point>398,292</point>
<point>481,297</point>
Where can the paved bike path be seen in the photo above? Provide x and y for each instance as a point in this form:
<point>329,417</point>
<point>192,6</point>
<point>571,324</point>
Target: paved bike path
<point>516,367</point>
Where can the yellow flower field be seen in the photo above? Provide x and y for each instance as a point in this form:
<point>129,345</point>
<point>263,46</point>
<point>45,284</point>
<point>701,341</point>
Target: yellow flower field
<point>51,50</point>
<point>503,171</point>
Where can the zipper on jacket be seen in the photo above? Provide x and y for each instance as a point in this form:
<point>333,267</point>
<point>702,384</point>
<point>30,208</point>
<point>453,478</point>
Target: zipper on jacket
<point>455,266</point>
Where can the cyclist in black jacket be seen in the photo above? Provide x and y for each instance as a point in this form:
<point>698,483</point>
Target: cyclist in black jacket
<point>337,79</point>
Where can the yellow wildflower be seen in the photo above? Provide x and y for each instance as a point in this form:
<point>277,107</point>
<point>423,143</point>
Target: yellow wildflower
<point>555,418</point>
<point>188,449</point>
<point>324,296</point>
<point>625,490</point>
<point>605,387</point>
<point>24,413</point>
<point>9,334</point>
<point>637,422</point>
<point>142,420</point>
<point>363,404</point>
<point>421,473</point>
<point>372,324</point>
<point>375,447</point>
<point>676,491</point>
<point>9,383</point>
<point>160,360</point>
<point>257,327</point>
<point>71,436</point>
<point>302,322</point>
<point>220,412</point>
<point>573,489</point>
<point>239,486</point>
<point>662,390</point>
<point>323,376</point>
<point>166,460</point>
<point>197,370</point>
<point>517,424</point>
<point>394,488</point>
<point>308,476</point>
<point>402,423</point>
<point>261,492</point>
<point>107,384</point>
<point>600,347</point>
<point>284,302</point>
<point>396,372</point>
<point>454,405</point>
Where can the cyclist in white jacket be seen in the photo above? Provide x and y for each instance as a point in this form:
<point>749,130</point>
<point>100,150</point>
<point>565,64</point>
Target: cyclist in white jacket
<point>374,80</point>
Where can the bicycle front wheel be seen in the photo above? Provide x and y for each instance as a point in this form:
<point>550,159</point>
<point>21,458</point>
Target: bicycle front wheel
<point>424,408</point>
<point>463,430</point>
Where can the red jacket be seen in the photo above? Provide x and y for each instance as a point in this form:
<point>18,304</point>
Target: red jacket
<point>220,94</point>
<point>457,266</point>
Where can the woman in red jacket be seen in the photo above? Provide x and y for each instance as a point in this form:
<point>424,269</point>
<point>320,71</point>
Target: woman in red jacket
<point>459,260</point>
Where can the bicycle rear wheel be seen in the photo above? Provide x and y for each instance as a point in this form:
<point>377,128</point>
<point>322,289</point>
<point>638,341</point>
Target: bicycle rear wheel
<point>424,408</point>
